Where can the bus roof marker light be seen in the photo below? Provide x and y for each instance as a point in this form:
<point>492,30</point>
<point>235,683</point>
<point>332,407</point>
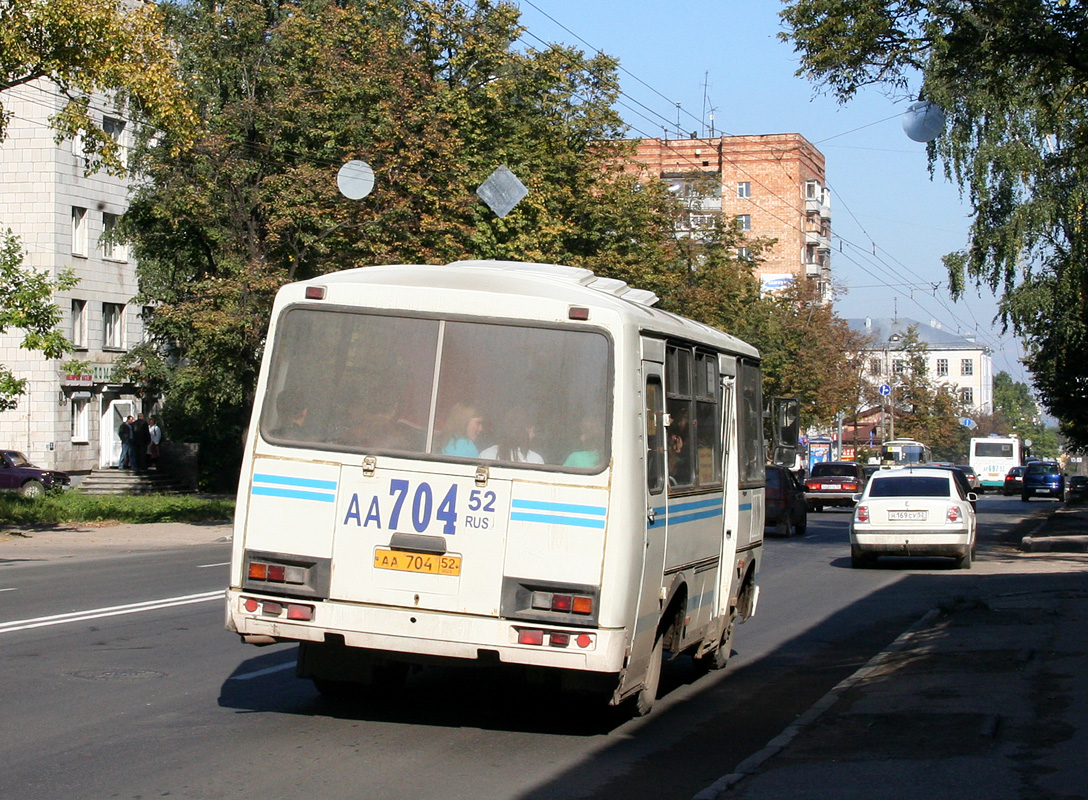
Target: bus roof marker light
<point>579,313</point>
<point>315,292</point>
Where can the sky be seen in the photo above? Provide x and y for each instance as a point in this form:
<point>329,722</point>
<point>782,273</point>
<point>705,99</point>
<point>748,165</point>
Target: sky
<point>891,222</point>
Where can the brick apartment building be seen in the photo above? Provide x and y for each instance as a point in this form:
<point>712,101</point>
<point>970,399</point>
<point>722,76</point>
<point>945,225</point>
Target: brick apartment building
<point>773,185</point>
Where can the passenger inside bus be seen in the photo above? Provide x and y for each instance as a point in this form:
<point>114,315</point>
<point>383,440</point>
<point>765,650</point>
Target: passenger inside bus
<point>591,440</point>
<point>515,437</point>
<point>464,426</point>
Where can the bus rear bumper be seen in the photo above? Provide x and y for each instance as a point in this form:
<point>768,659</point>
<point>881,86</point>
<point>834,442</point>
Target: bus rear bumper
<point>428,634</point>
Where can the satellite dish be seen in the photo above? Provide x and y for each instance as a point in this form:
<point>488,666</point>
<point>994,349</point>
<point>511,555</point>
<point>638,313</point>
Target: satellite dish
<point>923,121</point>
<point>355,180</point>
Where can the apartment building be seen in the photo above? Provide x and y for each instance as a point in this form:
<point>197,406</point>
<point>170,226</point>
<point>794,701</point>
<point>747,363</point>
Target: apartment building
<point>68,421</point>
<point>771,185</point>
<point>951,358</point>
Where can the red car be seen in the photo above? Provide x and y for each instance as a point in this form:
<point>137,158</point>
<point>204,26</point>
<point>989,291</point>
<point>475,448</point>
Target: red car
<point>834,483</point>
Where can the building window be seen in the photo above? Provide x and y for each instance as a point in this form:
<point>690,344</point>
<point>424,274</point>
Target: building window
<point>744,254</point>
<point>80,418</point>
<point>942,367</point>
<point>967,396</point>
<point>79,231</point>
<point>812,190</point>
<point>113,325</point>
<point>899,366</point>
<point>744,222</point>
<point>79,324</point>
<point>115,128</point>
<point>702,221</point>
<point>967,366</point>
<point>146,316</point>
<point>744,189</point>
<point>874,367</point>
<point>111,250</point>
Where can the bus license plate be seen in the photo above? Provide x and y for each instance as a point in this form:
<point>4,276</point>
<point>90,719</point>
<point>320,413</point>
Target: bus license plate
<point>425,563</point>
<point>907,516</point>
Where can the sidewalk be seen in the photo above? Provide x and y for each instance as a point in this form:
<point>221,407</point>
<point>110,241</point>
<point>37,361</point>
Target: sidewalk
<point>985,697</point>
<point>102,540</point>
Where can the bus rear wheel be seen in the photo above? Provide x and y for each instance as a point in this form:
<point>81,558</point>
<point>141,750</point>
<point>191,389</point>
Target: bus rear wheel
<point>647,696</point>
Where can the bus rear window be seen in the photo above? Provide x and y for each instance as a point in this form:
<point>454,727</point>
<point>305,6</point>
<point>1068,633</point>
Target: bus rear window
<point>365,382</point>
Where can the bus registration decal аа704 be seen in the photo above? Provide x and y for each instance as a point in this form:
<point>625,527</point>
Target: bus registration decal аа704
<point>426,506</point>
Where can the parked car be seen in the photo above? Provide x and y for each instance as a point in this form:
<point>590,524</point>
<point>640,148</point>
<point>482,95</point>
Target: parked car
<point>972,477</point>
<point>1043,478</point>
<point>914,511</point>
<point>833,483</point>
<point>1014,481</point>
<point>19,475</point>
<point>1078,486</point>
<point>786,510</point>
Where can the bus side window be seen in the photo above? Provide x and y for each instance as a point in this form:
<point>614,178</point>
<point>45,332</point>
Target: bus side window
<point>679,367</point>
<point>655,438</point>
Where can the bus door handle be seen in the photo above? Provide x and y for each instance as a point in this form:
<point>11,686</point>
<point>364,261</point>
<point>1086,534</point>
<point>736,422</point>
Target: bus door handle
<point>651,516</point>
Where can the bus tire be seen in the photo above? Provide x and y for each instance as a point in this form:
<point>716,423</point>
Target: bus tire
<point>647,695</point>
<point>718,658</point>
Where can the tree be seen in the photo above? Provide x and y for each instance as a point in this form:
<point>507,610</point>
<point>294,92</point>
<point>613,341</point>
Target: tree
<point>1010,74</point>
<point>434,96</point>
<point>26,303</point>
<point>88,46</point>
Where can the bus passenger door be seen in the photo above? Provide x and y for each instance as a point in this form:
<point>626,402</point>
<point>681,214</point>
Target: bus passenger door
<point>656,531</point>
<point>731,497</point>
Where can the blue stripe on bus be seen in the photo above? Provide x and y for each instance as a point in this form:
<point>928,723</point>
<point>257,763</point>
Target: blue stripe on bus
<point>293,494</point>
<point>307,483</point>
<point>678,519</point>
<point>577,522</point>
<point>562,508</point>
<point>745,507</point>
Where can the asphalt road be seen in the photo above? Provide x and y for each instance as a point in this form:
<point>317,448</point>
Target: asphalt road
<point>117,679</point>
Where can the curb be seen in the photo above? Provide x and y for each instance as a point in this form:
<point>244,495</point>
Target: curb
<point>751,764</point>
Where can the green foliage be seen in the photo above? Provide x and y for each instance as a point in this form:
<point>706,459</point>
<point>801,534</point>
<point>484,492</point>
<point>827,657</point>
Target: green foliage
<point>73,506</point>
<point>88,46</point>
<point>1010,74</point>
<point>26,303</point>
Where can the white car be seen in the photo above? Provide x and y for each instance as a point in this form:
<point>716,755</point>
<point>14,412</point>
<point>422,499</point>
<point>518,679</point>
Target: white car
<point>913,511</point>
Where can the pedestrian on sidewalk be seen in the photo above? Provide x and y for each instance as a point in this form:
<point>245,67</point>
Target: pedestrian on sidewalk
<point>155,432</point>
<point>124,433</point>
<point>141,439</point>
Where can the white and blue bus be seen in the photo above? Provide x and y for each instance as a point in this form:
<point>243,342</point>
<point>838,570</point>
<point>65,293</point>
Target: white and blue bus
<point>494,461</point>
<point>992,457</point>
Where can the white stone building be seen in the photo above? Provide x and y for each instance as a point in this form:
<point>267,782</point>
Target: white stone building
<point>67,422</point>
<point>951,358</point>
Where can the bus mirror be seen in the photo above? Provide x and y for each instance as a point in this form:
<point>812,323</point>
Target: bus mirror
<point>786,413</point>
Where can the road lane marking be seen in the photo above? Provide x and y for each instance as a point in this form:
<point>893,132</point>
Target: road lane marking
<point>245,676</point>
<point>10,589</point>
<point>220,564</point>
<point>111,611</point>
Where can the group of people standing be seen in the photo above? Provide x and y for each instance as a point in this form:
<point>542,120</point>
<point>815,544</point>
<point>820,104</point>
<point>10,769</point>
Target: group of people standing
<point>140,441</point>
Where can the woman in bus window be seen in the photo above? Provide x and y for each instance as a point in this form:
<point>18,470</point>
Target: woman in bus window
<point>515,436</point>
<point>464,426</point>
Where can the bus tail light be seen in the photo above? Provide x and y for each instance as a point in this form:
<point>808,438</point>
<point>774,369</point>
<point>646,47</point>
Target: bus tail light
<point>304,612</point>
<point>563,603</point>
<point>550,603</point>
<point>540,637</point>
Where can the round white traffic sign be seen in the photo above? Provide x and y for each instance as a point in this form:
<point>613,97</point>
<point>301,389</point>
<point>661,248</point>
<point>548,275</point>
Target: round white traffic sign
<point>355,180</point>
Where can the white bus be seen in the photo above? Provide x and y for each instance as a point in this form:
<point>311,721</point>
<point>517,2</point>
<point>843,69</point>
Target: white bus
<point>905,452</point>
<point>494,461</point>
<point>992,457</point>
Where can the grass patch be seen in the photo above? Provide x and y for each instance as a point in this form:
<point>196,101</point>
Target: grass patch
<point>72,506</point>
